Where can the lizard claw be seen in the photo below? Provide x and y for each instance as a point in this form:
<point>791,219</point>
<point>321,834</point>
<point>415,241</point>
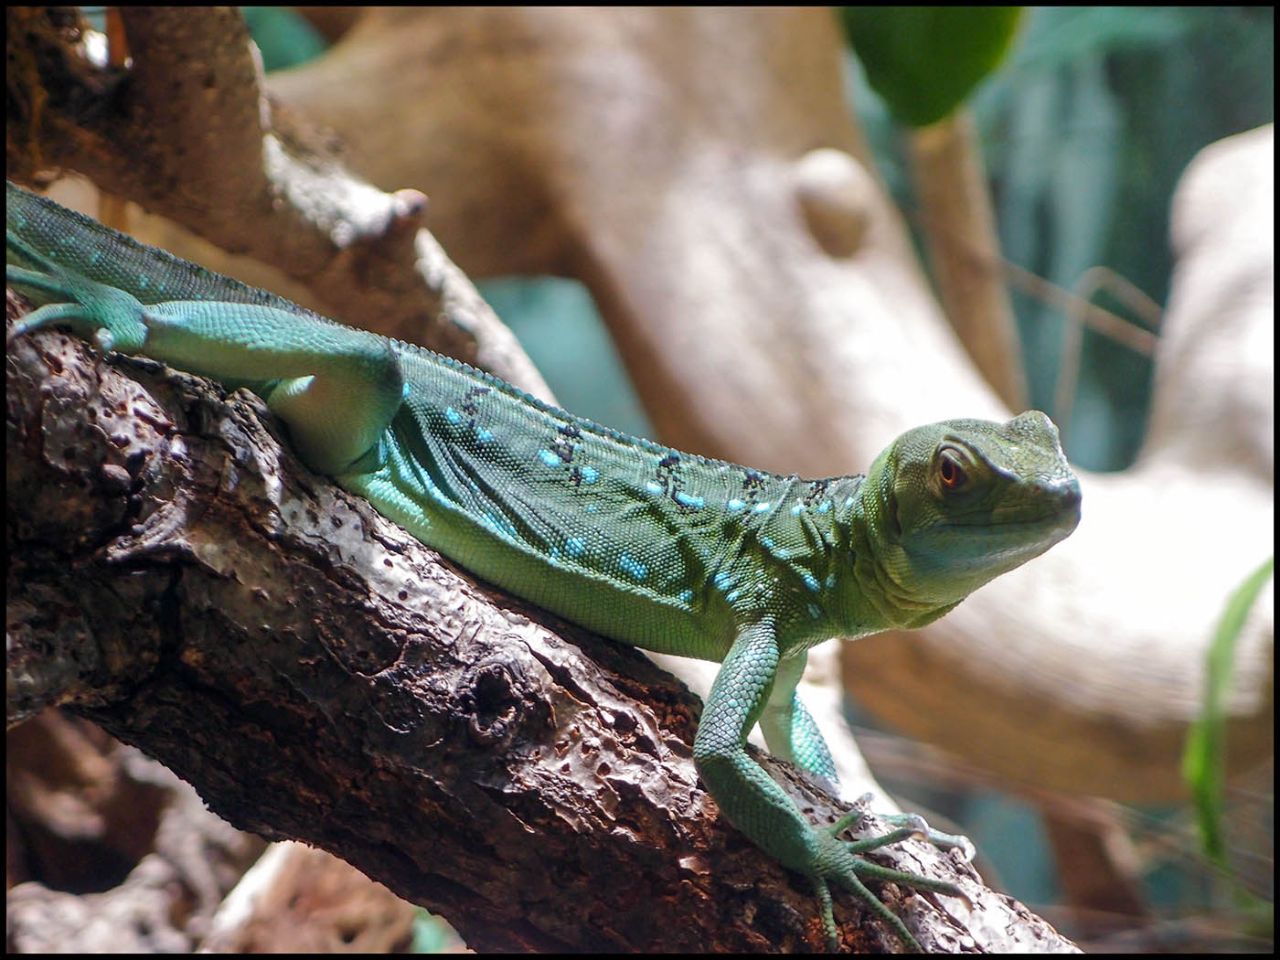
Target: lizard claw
<point>842,861</point>
<point>943,841</point>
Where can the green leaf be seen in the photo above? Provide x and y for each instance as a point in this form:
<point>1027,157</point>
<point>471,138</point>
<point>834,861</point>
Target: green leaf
<point>1203,760</point>
<point>924,61</point>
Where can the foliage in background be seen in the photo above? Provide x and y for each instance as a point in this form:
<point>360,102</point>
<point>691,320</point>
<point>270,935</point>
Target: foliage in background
<point>925,61</point>
<point>1085,131</point>
<point>1204,761</point>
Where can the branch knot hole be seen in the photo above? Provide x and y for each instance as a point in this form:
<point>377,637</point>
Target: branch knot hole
<point>497,700</point>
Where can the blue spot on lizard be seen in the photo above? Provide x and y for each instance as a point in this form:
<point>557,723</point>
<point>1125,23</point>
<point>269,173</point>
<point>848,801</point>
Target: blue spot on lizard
<point>632,567</point>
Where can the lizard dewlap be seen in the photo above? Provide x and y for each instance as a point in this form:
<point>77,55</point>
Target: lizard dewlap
<point>660,549</point>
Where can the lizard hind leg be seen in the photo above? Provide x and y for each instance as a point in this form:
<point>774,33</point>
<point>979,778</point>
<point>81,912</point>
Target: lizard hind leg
<point>335,387</point>
<point>337,420</point>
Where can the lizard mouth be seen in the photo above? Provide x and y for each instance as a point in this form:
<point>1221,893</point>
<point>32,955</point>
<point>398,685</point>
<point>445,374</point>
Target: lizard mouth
<point>1060,519</point>
<point>1019,533</point>
<point>1055,504</point>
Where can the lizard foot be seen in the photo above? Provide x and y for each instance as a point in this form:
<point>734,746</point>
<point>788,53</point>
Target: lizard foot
<point>113,319</point>
<point>842,861</point>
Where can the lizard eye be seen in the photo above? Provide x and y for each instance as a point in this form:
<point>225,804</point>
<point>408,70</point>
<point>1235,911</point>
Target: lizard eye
<point>950,471</point>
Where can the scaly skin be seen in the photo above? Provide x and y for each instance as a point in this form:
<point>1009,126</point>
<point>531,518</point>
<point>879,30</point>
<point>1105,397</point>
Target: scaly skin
<point>663,550</point>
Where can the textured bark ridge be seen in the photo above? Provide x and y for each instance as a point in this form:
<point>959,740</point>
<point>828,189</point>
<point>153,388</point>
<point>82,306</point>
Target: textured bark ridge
<point>318,674</point>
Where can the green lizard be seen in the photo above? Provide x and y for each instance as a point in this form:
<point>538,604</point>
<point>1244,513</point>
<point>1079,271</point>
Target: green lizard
<point>659,549</point>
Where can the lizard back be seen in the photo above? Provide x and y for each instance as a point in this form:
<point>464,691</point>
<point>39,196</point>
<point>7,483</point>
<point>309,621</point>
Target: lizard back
<point>529,496</point>
<point>537,499</point>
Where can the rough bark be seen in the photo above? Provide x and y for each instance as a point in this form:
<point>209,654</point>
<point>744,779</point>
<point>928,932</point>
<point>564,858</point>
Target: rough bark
<point>805,339</point>
<point>93,130</point>
<point>595,146</point>
<point>316,673</point>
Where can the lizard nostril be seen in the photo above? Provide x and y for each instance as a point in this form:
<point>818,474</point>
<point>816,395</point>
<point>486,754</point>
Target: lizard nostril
<point>1068,493</point>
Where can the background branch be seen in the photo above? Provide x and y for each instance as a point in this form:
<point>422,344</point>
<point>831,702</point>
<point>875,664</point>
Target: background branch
<point>188,133</point>
<point>784,351</point>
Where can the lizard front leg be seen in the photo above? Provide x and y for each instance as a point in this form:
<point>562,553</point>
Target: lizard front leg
<point>754,803</point>
<point>792,734</point>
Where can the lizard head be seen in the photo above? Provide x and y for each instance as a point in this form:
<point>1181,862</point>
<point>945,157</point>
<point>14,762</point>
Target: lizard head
<point>957,503</point>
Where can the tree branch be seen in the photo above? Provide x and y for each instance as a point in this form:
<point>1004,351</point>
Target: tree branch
<point>318,674</point>
<point>188,132</point>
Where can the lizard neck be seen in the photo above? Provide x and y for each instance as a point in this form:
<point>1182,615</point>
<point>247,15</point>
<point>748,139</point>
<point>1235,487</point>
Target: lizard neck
<point>867,597</point>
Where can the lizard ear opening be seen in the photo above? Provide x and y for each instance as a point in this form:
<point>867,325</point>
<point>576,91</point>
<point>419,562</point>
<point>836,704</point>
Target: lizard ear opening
<point>891,514</point>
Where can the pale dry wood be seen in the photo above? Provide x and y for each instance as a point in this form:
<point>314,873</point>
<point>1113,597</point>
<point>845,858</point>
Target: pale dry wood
<point>298,899</point>
<point>959,228</point>
<point>660,157</point>
<point>191,136</point>
<point>84,808</point>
